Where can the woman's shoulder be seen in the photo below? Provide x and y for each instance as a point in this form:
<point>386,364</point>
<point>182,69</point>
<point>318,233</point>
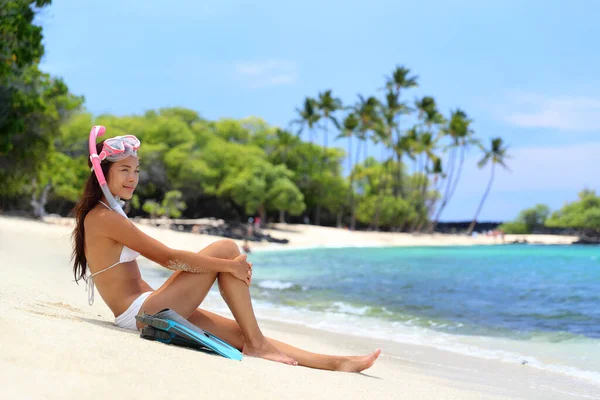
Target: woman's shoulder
<point>97,215</point>
<point>103,221</point>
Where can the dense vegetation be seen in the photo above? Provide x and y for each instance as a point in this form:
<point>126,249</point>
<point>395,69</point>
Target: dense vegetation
<point>582,216</point>
<point>234,168</point>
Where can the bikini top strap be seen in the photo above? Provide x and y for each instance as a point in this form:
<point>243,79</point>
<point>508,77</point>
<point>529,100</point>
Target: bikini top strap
<point>89,285</point>
<point>105,205</point>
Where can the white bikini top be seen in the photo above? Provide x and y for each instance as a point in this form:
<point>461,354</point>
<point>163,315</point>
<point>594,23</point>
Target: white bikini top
<point>126,255</point>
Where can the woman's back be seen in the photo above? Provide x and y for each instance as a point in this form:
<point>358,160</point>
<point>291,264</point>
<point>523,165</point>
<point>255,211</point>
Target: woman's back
<point>117,279</point>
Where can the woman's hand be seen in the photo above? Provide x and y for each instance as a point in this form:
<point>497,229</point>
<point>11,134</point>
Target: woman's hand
<point>242,269</point>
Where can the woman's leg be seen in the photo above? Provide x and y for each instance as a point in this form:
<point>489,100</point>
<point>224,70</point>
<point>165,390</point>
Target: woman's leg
<point>184,291</point>
<point>228,330</point>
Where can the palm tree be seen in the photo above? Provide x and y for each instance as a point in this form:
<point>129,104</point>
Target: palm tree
<point>398,81</point>
<point>327,105</point>
<point>349,127</point>
<point>495,155</point>
<point>308,116</point>
<point>461,136</point>
<point>464,138</point>
<point>425,144</point>
<point>367,112</point>
<point>383,131</point>
<point>284,141</point>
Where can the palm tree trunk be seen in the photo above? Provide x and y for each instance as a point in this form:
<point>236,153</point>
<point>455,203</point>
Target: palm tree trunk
<point>460,167</point>
<point>282,216</point>
<point>421,189</point>
<point>451,163</point>
<point>381,189</point>
<point>424,200</point>
<point>323,162</point>
<point>400,190</point>
<point>353,208</point>
<point>39,205</point>
<point>351,191</point>
<point>318,213</point>
<point>487,191</point>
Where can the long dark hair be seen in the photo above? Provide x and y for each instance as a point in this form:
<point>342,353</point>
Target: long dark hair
<point>91,195</point>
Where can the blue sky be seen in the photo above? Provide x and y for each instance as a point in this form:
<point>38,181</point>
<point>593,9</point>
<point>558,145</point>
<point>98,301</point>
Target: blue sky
<point>527,71</point>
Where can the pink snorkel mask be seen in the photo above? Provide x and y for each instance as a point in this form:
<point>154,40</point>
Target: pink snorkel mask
<point>114,149</point>
<point>119,147</point>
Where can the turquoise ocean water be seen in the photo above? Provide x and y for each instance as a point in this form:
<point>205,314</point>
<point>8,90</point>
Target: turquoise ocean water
<point>539,304</point>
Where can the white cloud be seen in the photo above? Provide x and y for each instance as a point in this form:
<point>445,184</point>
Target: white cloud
<point>569,113</point>
<point>258,74</point>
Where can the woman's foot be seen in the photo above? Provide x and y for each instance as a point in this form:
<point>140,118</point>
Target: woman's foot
<point>358,363</point>
<point>267,351</point>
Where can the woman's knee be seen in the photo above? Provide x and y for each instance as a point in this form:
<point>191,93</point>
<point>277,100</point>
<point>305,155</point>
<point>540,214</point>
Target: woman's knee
<point>228,248</point>
<point>224,248</point>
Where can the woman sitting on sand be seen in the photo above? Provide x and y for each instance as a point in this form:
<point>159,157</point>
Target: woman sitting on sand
<point>109,245</point>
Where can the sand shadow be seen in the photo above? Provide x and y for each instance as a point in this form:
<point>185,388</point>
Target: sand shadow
<point>369,376</point>
<point>111,326</point>
<point>105,324</point>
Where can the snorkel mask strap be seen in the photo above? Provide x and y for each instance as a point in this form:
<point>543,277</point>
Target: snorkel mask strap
<point>97,131</point>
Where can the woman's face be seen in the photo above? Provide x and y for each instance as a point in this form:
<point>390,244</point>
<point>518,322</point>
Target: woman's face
<point>123,177</point>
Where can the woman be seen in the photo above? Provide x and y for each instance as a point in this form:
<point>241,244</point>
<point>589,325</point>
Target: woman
<point>108,245</point>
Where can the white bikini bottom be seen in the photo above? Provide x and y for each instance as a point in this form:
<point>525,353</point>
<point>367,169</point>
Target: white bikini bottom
<point>127,319</point>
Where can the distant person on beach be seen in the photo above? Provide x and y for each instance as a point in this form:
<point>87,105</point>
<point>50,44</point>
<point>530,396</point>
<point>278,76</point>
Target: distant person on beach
<point>250,228</point>
<point>108,245</point>
<point>257,221</point>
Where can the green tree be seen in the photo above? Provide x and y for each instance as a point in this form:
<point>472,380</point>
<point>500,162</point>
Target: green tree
<point>172,204</point>
<point>514,228</point>
<point>153,208</point>
<point>21,39</point>
<point>583,215</point>
<point>534,218</point>
<point>32,103</point>
<point>528,220</point>
<point>260,186</point>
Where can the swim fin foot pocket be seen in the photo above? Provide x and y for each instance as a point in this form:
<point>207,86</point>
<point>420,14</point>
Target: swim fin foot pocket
<point>166,326</point>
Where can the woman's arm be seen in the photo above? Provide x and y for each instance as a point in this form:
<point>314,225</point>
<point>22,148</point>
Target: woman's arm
<point>114,226</point>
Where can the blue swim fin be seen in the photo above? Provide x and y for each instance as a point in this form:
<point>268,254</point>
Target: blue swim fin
<point>150,333</point>
<point>169,321</point>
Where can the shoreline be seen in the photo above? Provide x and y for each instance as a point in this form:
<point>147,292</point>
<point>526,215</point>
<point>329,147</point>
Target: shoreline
<point>50,320</point>
<point>544,356</point>
<point>311,236</point>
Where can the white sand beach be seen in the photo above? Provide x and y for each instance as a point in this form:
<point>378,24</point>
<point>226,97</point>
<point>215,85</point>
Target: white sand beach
<point>55,346</point>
